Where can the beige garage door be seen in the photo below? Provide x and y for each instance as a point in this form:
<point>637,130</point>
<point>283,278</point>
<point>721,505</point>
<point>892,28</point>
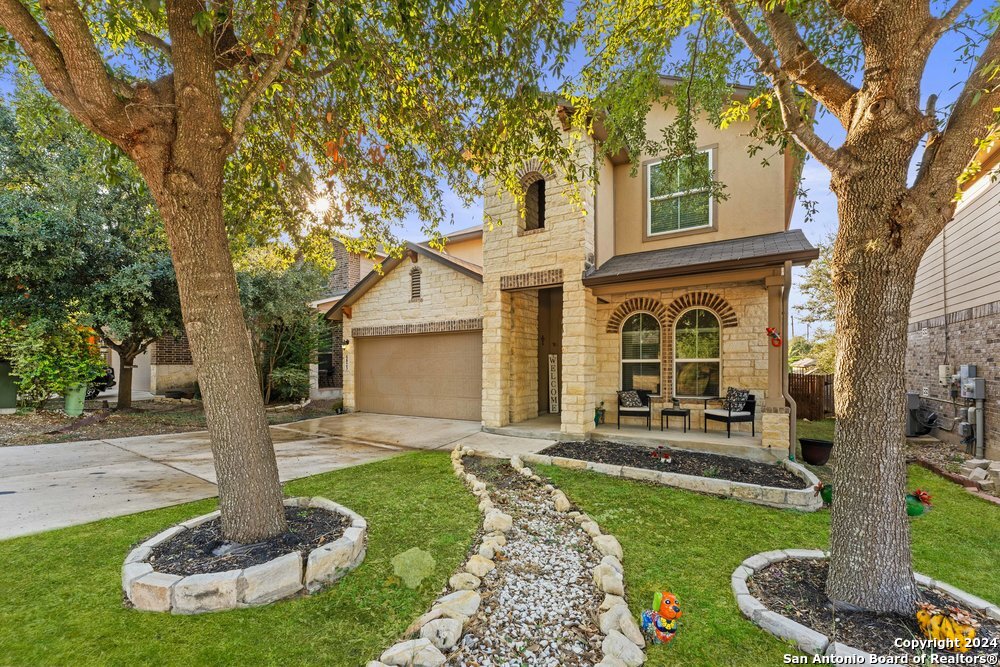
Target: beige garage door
<point>430,375</point>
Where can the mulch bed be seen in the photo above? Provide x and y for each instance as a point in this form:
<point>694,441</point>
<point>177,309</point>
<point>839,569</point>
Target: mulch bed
<point>795,588</point>
<point>681,462</point>
<point>190,552</point>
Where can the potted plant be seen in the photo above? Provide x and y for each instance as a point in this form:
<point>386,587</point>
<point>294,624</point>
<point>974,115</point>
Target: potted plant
<point>816,452</point>
<point>599,414</point>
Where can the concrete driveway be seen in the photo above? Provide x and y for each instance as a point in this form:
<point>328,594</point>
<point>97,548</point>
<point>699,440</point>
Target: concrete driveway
<point>51,486</point>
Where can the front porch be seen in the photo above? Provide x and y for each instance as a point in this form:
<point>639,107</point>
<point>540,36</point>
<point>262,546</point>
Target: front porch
<point>742,445</point>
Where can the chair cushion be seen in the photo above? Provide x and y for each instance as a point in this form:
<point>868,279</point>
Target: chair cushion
<point>736,398</point>
<point>640,410</point>
<point>725,413</point>
<point>629,399</point>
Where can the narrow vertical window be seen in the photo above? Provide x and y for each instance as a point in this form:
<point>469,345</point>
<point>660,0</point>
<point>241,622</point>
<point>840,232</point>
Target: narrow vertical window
<point>697,354</point>
<point>534,204</point>
<point>415,284</point>
<point>640,358</point>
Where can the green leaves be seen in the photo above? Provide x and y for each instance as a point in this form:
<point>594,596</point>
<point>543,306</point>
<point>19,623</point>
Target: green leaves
<point>203,21</point>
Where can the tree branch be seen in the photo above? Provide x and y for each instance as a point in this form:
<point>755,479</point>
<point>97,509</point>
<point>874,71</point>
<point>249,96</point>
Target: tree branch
<point>246,105</point>
<point>155,42</point>
<point>803,67</point>
<point>44,55</point>
<point>973,117</point>
<point>799,127</point>
<point>859,12</point>
<point>84,65</point>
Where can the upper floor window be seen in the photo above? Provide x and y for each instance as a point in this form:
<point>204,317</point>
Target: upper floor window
<point>679,197</point>
<point>641,353</point>
<point>534,204</point>
<point>697,353</point>
<point>415,283</point>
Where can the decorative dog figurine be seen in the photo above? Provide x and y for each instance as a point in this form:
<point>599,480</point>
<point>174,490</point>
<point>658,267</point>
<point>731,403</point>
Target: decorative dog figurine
<point>660,623</point>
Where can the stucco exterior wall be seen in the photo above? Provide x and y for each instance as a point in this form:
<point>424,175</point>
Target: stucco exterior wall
<point>446,295</point>
<point>756,203</point>
<point>471,250</point>
<point>744,346</point>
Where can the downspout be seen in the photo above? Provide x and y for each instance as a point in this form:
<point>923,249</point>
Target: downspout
<point>792,407</point>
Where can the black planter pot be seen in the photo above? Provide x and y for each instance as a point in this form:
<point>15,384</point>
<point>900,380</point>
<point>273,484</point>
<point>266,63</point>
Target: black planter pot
<point>816,452</point>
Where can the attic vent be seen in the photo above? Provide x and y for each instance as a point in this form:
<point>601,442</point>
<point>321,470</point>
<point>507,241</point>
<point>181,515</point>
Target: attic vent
<point>415,284</point>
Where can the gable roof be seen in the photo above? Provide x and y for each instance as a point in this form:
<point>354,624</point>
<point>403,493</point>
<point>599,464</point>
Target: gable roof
<point>742,253</point>
<point>469,269</point>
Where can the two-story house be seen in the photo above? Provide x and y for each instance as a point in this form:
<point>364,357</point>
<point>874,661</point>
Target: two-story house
<point>649,285</point>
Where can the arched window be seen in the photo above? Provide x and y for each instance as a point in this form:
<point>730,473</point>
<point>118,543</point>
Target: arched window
<point>641,353</point>
<point>697,353</point>
<point>415,284</point>
<point>534,204</point>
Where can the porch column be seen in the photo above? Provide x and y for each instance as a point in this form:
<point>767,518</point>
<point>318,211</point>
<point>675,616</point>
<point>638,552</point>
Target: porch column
<point>775,419</point>
<point>497,341</point>
<point>579,362</point>
<point>350,404</point>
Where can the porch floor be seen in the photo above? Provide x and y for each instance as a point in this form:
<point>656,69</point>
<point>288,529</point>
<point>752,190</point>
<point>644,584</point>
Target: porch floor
<point>741,444</point>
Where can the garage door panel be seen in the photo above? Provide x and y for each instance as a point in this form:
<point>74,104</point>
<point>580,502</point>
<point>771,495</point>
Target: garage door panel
<point>430,375</point>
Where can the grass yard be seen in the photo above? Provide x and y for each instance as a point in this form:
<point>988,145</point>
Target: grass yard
<point>60,597</point>
<point>61,600</point>
<point>690,544</point>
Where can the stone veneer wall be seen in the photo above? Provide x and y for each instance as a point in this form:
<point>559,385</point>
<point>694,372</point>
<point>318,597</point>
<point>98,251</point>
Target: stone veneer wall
<point>744,346</point>
<point>973,337</point>
<point>171,367</point>
<point>565,244</point>
<point>450,301</point>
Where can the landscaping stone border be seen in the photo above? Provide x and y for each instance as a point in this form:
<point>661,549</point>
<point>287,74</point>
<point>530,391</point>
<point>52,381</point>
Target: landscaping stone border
<point>803,500</point>
<point>441,629</point>
<point>262,584</point>
<point>805,638</point>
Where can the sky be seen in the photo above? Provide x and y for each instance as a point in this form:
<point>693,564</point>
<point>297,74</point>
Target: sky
<point>944,76</point>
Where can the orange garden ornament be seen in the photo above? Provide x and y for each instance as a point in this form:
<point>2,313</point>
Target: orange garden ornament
<point>775,337</point>
<point>660,623</point>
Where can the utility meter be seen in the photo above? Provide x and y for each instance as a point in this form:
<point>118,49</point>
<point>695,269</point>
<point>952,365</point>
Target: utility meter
<point>974,388</point>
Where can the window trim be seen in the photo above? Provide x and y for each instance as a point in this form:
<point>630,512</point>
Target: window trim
<point>622,361</point>
<point>647,233</point>
<point>673,351</point>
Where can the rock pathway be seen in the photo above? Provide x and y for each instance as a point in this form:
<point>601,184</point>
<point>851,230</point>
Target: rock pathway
<point>543,587</point>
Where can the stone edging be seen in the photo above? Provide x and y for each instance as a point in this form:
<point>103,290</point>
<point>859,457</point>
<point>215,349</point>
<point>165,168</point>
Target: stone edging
<point>804,500</point>
<point>262,584</point>
<point>805,638</point>
<point>442,627</point>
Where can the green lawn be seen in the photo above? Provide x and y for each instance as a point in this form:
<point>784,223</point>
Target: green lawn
<point>61,602</point>
<point>690,544</point>
<point>60,599</point>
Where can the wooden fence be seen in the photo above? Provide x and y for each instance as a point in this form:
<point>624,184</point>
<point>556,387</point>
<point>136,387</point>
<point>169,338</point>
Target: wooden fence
<point>813,395</point>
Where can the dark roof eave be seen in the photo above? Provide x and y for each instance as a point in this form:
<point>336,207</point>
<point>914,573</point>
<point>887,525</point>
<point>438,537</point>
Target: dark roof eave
<point>800,257</point>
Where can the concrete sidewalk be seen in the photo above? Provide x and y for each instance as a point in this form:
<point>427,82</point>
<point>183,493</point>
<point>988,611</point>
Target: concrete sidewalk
<point>51,486</point>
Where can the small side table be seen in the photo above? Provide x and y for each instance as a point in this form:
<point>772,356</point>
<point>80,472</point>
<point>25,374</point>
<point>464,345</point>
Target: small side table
<point>683,413</point>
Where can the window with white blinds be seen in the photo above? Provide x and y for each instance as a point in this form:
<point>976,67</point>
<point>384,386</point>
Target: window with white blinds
<point>679,196</point>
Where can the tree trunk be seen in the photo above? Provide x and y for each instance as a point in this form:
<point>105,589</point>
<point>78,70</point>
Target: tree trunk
<point>873,272</point>
<point>250,495</point>
<point>125,380</point>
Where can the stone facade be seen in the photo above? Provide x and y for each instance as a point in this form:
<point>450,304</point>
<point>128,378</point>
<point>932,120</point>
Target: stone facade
<point>518,260</point>
<point>743,306</point>
<point>969,336</point>
<point>449,301</point>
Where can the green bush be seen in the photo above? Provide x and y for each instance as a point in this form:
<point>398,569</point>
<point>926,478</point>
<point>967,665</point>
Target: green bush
<point>290,383</point>
<point>49,357</point>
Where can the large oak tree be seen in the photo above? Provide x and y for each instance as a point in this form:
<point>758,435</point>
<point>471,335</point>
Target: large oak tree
<point>384,100</point>
<point>862,63</point>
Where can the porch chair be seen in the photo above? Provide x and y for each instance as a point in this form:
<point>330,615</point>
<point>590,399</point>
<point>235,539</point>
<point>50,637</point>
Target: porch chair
<point>635,403</point>
<point>738,406</point>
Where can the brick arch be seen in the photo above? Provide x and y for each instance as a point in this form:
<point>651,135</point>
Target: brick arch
<point>533,170</point>
<point>638,304</point>
<point>713,302</point>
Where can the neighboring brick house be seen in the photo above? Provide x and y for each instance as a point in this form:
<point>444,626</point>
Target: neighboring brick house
<point>955,310</point>
<point>567,306</point>
<point>171,367</point>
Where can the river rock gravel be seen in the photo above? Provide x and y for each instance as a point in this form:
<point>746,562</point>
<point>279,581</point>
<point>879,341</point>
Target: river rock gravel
<point>540,604</point>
